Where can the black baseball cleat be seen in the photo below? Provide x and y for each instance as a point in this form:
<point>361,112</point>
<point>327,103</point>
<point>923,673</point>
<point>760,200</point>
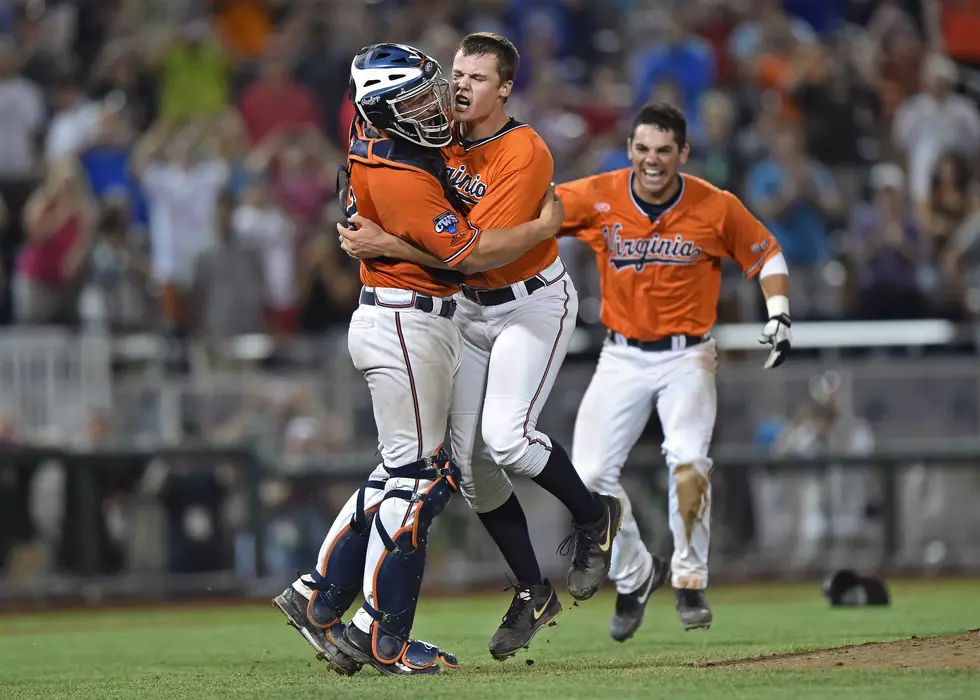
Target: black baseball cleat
<point>294,606</point>
<point>592,549</point>
<point>393,657</point>
<point>692,608</point>
<point>532,608</point>
<point>630,607</point>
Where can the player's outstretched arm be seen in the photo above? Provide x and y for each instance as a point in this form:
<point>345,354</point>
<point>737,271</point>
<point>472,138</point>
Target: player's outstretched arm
<point>494,248</point>
<point>774,280</point>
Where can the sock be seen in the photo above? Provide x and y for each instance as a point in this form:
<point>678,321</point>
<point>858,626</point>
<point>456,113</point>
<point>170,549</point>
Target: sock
<point>560,479</point>
<point>507,526</point>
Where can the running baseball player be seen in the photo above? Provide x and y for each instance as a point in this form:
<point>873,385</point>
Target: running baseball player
<point>659,237</point>
<point>516,323</point>
<point>404,341</point>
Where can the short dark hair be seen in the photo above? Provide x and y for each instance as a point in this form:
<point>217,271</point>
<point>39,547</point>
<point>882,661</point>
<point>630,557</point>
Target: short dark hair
<point>665,117</point>
<point>488,43</point>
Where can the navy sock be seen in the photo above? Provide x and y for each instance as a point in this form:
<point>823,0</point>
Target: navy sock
<point>560,479</point>
<point>507,526</point>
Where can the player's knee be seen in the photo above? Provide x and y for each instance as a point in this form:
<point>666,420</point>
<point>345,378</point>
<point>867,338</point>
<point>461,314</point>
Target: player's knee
<point>505,439</point>
<point>694,452</point>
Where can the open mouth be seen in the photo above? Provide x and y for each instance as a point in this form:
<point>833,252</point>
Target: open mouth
<point>461,102</point>
<point>653,173</point>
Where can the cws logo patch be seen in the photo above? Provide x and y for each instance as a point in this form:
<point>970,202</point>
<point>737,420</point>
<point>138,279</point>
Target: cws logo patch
<point>446,222</point>
<point>640,252</point>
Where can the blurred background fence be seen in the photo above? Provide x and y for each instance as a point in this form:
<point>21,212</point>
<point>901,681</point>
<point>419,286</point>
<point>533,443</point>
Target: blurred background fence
<point>126,478</point>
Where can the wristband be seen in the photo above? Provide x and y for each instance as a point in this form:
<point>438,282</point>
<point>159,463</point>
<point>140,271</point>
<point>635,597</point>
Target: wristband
<point>777,305</point>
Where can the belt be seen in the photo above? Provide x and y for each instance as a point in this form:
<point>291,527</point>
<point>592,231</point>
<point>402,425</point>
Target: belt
<point>671,342</point>
<point>422,303</point>
<point>493,297</point>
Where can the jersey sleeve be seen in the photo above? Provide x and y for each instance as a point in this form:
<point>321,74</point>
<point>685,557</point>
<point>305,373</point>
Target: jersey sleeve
<point>580,203</point>
<point>745,238</point>
<point>412,206</point>
<point>519,185</point>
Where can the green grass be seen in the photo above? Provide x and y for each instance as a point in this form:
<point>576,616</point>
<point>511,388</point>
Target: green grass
<point>249,652</point>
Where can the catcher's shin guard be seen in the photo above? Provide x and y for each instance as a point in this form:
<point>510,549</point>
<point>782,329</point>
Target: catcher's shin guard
<point>342,565</point>
<point>398,575</point>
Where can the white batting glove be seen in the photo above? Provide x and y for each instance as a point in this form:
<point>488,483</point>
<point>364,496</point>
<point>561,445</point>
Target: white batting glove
<point>776,332</point>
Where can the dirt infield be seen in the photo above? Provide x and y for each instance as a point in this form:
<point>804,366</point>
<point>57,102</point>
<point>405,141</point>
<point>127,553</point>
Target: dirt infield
<point>954,651</point>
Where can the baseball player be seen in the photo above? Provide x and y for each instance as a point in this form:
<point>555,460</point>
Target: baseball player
<point>659,238</point>
<point>516,323</point>
<point>404,341</point>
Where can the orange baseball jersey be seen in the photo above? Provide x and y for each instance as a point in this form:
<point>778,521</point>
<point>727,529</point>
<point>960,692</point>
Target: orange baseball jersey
<point>394,184</point>
<point>661,278</point>
<point>504,177</point>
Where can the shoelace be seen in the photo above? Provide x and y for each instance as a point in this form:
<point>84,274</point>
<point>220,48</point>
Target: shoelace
<point>580,537</point>
<point>522,595</point>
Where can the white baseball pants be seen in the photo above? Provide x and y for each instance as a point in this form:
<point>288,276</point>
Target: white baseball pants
<point>408,358</point>
<point>615,409</point>
<point>511,354</point>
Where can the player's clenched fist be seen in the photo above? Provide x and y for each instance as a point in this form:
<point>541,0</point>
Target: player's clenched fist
<point>776,333</point>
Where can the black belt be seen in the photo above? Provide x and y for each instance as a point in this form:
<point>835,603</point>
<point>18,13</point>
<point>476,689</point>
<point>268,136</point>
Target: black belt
<point>422,303</point>
<point>493,297</point>
<point>661,344</point>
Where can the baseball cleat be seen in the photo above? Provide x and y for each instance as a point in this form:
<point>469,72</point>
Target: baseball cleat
<point>393,657</point>
<point>592,549</point>
<point>293,605</point>
<point>692,608</point>
<point>630,607</point>
<point>532,608</point>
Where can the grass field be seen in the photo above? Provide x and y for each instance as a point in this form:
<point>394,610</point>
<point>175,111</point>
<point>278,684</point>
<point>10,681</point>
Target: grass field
<point>249,652</point>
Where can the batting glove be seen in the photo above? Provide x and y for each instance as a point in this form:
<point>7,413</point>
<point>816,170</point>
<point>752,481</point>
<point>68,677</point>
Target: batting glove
<point>776,332</point>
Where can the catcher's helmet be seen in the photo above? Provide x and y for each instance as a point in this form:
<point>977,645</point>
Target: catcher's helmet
<point>400,90</point>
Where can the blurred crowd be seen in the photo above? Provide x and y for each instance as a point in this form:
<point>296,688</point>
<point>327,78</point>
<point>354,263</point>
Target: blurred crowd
<point>170,166</point>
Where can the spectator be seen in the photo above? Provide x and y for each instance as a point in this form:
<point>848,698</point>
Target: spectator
<point>543,104</point>
<point>79,124</point>
<point>953,197</point>
<point>716,157</point>
<point>795,196</point>
<point>887,249</point>
<point>261,224</point>
<point>193,74</point>
<point>301,168</point>
<point>121,71</point>
<point>682,58</point>
<point>934,121</point>
<point>244,25</point>
<point>323,68</point>
<point>276,101</point>
<point>838,108</point>
<point>58,220</point>
<point>182,187</point>
<point>606,102</point>
<point>37,62</point>
<point>893,56</point>
<point>767,21</point>
<point>22,115</point>
<point>117,297</point>
<point>328,280</point>
<point>225,292</point>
